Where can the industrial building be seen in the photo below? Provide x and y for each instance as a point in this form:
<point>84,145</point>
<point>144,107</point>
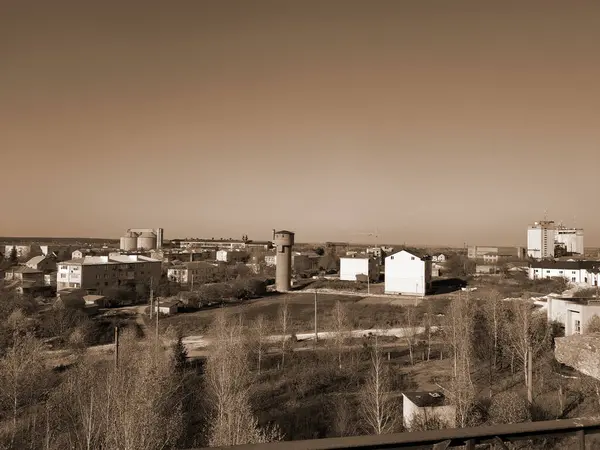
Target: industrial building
<point>353,268</point>
<point>224,244</point>
<point>284,242</point>
<point>142,239</point>
<point>540,240</point>
<point>99,274</point>
<point>570,238</point>
<point>493,254</point>
<point>407,273</point>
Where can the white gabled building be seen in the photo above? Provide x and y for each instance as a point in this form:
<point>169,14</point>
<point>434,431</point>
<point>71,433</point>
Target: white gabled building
<point>351,267</point>
<point>574,313</point>
<point>407,273</point>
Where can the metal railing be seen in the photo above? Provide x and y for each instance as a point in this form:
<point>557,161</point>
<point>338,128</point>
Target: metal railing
<point>498,435</point>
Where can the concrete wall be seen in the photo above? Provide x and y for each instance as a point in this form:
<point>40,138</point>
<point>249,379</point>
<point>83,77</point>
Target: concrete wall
<point>351,267</point>
<point>407,274</point>
<point>446,413</point>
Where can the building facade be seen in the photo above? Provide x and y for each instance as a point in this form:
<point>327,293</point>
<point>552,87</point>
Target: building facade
<point>571,239</point>
<point>199,272</point>
<point>99,274</point>
<point>540,239</point>
<point>494,254</point>
<point>231,255</point>
<point>407,273</point>
<point>573,313</point>
<point>351,267</point>
<point>425,406</point>
<point>581,272</point>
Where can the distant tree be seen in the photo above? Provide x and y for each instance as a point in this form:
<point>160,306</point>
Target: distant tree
<point>259,331</point>
<point>459,266</point>
<point>179,354</point>
<point>13,257</point>
<point>593,325</point>
<point>284,322</point>
<point>320,251</point>
<point>340,326</point>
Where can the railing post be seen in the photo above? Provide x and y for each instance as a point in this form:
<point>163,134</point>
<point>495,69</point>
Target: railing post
<point>581,435</point>
<point>470,444</point>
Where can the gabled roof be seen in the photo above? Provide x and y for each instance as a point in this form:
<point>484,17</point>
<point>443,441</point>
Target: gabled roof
<point>415,254</point>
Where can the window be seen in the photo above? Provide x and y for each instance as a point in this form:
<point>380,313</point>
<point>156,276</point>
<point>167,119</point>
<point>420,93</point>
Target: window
<point>560,271</point>
<point>412,258</point>
<point>577,327</point>
<point>573,279</point>
<point>547,271</point>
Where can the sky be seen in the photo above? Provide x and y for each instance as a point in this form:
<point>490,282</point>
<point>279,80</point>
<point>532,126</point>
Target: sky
<point>429,122</point>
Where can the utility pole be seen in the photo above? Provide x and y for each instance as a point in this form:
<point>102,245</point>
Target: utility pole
<point>151,297</point>
<point>316,332</point>
<point>116,347</point>
<point>192,285</point>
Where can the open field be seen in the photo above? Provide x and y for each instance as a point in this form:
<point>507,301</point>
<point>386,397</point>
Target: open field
<point>364,313</point>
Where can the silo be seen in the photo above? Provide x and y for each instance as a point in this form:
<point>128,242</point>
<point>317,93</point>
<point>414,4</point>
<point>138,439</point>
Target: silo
<point>146,241</point>
<point>284,240</point>
<point>129,242</point>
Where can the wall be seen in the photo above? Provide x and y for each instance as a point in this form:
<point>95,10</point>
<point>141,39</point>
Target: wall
<point>446,413</point>
<point>407,274</point>
<point>566,312</point>
<point>351,267</point>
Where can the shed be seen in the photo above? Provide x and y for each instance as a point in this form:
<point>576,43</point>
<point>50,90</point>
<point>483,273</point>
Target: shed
<point>425,406</point>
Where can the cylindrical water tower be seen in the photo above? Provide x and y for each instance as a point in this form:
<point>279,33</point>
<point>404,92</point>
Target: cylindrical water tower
<point>283,240</point>
<point>129,242</point>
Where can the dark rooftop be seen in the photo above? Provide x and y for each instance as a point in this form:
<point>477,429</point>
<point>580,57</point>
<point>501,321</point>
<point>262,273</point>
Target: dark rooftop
<point>568,265</point>
<point>426,398</point>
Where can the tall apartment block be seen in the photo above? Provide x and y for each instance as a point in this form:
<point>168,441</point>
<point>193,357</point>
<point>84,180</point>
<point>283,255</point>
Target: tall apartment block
<point>540,239</point>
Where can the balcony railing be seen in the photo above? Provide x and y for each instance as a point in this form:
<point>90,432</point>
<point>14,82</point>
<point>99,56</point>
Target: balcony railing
<point>498,435</point>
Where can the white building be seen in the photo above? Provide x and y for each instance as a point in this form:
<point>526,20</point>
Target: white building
<point>540,240</point>
<point>271,260</point>
<point>574,313</point>
<point>439,258</point>
<point>407,273</point>
<point>231,255</point>
<point>571,238</point>
<point>581,272</point>
<point>426,406</point>
<point>99,274</point>
<point>350,267</point>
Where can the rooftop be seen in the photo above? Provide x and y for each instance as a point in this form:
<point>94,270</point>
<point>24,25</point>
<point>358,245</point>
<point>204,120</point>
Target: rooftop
<point>113,259</point>
<point>568,265</point>
<point>426,398</point>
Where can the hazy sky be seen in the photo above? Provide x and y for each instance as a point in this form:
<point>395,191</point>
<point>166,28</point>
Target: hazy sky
<point>437,122</point>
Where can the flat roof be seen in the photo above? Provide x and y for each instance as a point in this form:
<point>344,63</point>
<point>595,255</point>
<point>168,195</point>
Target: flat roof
<point>426,398</point>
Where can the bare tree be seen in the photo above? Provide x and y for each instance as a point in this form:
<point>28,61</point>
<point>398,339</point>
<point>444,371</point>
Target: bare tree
<point>428,326</point>
<point>411,327</point>
<point>228,379</point>
<point>593,325</point>
<point>378,409</point>
<point>340,327</point>
<point>260,331</point>
<point>527,334</point>
<point>459,330</point>
<point>21,375</point>
<point>492,315</point>
<point>284,322</point>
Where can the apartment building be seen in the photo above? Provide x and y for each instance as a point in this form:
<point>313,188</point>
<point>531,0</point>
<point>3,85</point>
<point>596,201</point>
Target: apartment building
<point>192,272</point>
<point>99,274</point>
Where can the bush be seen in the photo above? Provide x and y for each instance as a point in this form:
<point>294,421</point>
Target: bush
<point>508,407</point>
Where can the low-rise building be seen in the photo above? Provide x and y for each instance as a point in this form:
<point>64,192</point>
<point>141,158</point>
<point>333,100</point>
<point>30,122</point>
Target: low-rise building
<point>358,266</point>
<point>100,274</point>
<point>575,271</point>
<point>231,256</point>
<point>495,254</point>
<point>167,307</point>
<point>199,272</point>
<point>573,313</point>
<point>424,407</point>
<point>25,274</point>
<point>407,273</point>
<point>271,260</point>
<point>45,263</point>
<point>439,258</point>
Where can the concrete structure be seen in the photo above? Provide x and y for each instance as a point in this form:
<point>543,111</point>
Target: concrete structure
<point>571,238</point>
<point>425,407</point>
<point>225,244</point>
<point>581,352</point>
<point>573,313</point>
<point>198,272</point>
<point>167,307</point>
<point>351,267</point>
<point>142,239</point>
<point>540,240</point>
<point>494,254</point>
<point>231,255</point>
<point>407,273</point>
<point>284,241</point>
<point>99,274</point>
<point>575,271</point>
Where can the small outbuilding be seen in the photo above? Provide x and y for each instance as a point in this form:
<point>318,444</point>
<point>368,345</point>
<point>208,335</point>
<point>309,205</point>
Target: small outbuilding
<point>427,406</point>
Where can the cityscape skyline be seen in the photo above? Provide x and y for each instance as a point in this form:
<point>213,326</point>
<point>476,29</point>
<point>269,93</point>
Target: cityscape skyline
<point>432,123</point>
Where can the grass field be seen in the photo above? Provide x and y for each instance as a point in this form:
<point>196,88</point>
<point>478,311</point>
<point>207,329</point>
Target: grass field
<point>363,313</point>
